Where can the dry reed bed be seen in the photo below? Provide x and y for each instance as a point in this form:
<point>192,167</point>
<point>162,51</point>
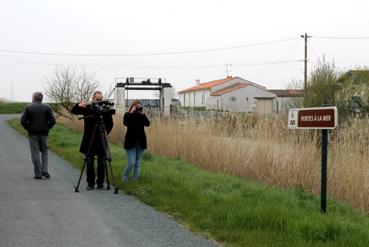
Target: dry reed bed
<point>263,149</point>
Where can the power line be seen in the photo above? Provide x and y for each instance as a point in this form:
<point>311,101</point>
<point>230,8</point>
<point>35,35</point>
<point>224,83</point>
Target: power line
<point>268,63</point>
<point>148,67</point>
<point>35,63</point>
<point>312,49</point>
<point>337,37</point>
<point>279,61</point>
<point>148,54</point>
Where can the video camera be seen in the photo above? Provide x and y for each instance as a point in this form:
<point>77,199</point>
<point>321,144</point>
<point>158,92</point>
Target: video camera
<point>102,107</point>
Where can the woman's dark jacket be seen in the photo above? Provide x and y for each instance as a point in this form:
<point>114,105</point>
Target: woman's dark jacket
<point>135,134</point>
<point>91,118</point>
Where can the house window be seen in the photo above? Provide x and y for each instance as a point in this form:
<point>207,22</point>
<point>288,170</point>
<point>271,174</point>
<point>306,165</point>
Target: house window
<point>247,99</point>
<point>233,99</point>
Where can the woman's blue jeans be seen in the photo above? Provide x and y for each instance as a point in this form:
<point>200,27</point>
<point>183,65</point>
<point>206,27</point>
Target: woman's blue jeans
<point>134,156</point>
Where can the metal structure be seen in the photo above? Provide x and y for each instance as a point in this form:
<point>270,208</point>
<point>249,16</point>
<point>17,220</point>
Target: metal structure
<point>124,84</point>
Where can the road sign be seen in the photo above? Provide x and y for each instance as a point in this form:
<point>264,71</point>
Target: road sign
<point>323,118</point>
<point>313,118</point>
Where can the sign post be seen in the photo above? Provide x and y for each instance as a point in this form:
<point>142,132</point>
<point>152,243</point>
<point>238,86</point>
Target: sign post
<point>323,188</point>
<point>323,118</point>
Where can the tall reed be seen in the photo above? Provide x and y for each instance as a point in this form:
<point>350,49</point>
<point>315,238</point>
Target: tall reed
<point>261,148</point>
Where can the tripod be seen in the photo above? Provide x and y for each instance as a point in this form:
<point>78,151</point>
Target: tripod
<point>100,128</point>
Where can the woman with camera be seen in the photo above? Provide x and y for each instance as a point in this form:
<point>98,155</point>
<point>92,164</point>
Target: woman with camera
<point>135,140</point>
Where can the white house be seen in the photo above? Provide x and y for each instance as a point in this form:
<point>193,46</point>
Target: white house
<point>229,94</point>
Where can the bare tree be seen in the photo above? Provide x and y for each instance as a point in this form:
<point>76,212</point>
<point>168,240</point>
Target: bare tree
<point>109,93</point>
<point>84,85</point>
<point>68,85</point>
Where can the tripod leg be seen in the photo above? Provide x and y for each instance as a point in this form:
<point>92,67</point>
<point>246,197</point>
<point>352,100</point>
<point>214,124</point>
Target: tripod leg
<point>107,176</point>
<point>112,178</point>
<point>80,176</point>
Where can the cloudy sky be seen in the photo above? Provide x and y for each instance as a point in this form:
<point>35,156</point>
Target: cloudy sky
<point>147,39</point>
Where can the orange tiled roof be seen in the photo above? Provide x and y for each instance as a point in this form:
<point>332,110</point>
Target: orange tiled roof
<point>206,85</point>
<point>229,89</point>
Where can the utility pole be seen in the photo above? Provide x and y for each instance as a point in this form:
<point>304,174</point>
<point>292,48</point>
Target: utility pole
<point>305,37</point>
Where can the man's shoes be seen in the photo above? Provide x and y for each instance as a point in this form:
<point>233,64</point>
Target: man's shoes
<point>37,177</point>
<point>89,187</point>
<point>46,175</point>
<point>100,186</point>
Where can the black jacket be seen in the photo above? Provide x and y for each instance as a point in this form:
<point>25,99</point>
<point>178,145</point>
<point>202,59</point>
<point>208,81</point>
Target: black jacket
<point>135,134</point>
<point>38,119</point>
<point>90,122</point>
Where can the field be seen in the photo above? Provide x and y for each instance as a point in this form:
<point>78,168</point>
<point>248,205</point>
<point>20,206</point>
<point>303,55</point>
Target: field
<point>9,108</point>
<point>261,148</point>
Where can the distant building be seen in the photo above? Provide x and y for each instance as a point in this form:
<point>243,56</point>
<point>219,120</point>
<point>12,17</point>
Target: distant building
<point>287,98</point>
<point>229,94</point>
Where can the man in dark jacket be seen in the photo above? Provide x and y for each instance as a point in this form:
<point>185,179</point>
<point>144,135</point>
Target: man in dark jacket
<point>92,142</point>
<point>38,119</point>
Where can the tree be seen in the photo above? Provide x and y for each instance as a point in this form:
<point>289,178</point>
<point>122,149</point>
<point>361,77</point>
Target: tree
<point>322,85</point>
<point>68,85</point>
<point>353,96</point>
<point>348,91</point>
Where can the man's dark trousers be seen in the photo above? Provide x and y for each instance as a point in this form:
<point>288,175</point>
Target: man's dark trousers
<point>38,145</point>
<point>91,171</point>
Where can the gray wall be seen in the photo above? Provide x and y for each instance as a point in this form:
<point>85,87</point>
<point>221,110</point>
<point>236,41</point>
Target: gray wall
<point>285,103</point>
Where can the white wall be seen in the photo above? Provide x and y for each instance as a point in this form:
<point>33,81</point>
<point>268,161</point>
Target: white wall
<point>194,99</point>
<point>166,99</point>
<point>201,98</point>
<point>243,99</point>
<point>181,97</point>
<point>213,103</point>
<point>119,99</point>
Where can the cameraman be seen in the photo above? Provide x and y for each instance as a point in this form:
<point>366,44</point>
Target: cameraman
<point>96,148</point>
<point>135,140</point>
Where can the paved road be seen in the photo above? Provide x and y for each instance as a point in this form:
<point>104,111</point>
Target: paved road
<point>48,212</point>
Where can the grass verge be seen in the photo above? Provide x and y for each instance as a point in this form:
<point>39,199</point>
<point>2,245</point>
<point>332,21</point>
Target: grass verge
<point>228,209</point>
<point>9,108</point>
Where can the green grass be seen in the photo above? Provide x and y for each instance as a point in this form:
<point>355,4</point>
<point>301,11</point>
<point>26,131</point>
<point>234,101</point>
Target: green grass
<point>9,108</point>
<point>231,210</point>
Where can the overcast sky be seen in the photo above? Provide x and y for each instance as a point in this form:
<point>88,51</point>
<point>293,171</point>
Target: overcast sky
<point>161,26</point>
